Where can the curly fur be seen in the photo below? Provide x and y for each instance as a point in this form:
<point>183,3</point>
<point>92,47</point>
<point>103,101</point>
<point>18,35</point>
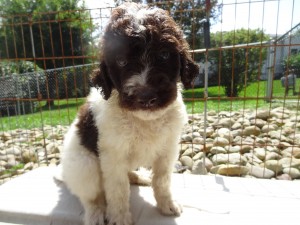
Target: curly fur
<point>136,121</point>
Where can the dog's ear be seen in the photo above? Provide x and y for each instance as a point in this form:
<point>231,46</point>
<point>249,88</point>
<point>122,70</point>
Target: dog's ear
<point>189,69</point>
<point>100,78</point>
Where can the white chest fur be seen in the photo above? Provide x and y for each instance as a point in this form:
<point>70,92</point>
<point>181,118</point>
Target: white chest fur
<point>137,137</point>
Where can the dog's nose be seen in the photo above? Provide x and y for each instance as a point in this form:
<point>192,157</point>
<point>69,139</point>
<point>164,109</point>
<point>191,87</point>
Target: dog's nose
<point>147,99</point>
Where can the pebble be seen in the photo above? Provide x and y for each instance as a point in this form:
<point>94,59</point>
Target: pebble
<point>187,161</point>
<point>199,168</point>
<point>292,172</point>
<point>233,149</point>
<point>232,158</point>
<point>273,165</point>
<point>290,162</point>
<point>260,153</point>
<point>233,170</point>
<point>284,177</point>
<point>272,155</point>
<point>29,156</point>
<point>268,127</point>
<point>260,172</point>
<point>217,150</point>
<point>262,114</point>
<point>220,141</point>
<point>251,130</point>
<point>199,155</point>
<point>189,152</point>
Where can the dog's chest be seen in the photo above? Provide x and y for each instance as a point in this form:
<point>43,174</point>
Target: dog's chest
<point>140,141</point>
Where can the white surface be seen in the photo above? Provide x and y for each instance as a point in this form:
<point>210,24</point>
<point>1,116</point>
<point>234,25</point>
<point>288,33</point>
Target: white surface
<point>35,198</point>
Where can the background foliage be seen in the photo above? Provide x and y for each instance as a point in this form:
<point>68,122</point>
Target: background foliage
<point>65,33</point>
<point>292,63</point>
<point>188,14</point>
<point>237,67</point>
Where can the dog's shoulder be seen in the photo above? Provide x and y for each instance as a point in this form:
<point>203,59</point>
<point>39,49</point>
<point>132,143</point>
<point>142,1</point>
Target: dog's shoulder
<point>86,128</point>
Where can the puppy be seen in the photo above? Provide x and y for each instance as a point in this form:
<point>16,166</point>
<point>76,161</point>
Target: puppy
<point>134,118</point>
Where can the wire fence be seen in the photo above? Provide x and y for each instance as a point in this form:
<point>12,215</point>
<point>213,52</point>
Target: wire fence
<point>244,107</point>
<point>20,93</point>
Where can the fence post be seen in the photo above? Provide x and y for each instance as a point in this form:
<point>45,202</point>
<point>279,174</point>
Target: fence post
<point>270,70</point>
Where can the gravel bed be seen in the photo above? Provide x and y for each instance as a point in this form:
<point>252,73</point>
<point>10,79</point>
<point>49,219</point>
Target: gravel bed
<point>259,144</point>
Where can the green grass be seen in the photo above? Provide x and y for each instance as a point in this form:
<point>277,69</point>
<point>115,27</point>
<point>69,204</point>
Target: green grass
<point>64,111</point>
<point>12,171</point>
<point>250,98</point>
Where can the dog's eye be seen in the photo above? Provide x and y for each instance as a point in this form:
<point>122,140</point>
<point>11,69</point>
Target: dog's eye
<point>164,55</point>
<point>121,60</point>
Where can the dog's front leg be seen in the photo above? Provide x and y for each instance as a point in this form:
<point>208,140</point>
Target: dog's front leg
<point>161,182</point>
<point>117,189</point>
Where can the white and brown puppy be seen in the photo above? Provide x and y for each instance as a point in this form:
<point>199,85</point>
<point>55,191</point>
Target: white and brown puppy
<point>137,118</point>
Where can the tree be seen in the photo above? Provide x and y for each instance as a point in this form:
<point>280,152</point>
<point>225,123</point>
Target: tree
<point>292,62</point>
<point>188,13</point>
<point>59,30</point>
<point>238,66</point>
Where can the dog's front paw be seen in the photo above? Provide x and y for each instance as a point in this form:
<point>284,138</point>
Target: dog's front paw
<point>94,217</point>
<point>119,219</point>
<point>170,208</point>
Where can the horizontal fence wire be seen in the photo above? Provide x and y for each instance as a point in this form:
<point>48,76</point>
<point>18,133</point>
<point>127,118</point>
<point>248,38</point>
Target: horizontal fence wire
<point>245,122</point>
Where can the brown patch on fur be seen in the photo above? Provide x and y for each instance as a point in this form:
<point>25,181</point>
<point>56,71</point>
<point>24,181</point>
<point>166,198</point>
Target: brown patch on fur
<point>87,130</point>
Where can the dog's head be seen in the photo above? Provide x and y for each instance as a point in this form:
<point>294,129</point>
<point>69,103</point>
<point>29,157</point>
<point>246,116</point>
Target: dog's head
<point>143,56</point>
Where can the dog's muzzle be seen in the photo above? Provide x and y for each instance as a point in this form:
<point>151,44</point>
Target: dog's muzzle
<point>146,98</point>
<point>141,98</point>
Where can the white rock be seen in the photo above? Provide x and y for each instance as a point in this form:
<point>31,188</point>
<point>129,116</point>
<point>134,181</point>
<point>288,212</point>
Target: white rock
<point>220,141</point>
<point>251,130</point>
<point>272,155</point>
<point>224,122</point>
<point>187,137</point>
<point>13,150</point>
<point>233,170</point>
<point>293,172</point>
<point>258,122</point>
<point>199,168</point>
<point>262,114</point>
<point>52,148</point>
<point>187,161</point>
<point>232,158</point>
<point>260,153</point>
<point>260,172</point>
<point>268,127</point>
<point>189,152</point>
<point>274,165</point>
<point>198,140</point>
<point>290,162</point>
<point>236,126</point>
<point>209,131</point>
<point>217,150</point>
<point>224,133</point>
<point>199,155</point>
<point>252,158</point>
<point>233,149</point>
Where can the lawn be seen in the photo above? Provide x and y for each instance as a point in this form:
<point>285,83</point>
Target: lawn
<point>64,111</point>
<point>253,96</point>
